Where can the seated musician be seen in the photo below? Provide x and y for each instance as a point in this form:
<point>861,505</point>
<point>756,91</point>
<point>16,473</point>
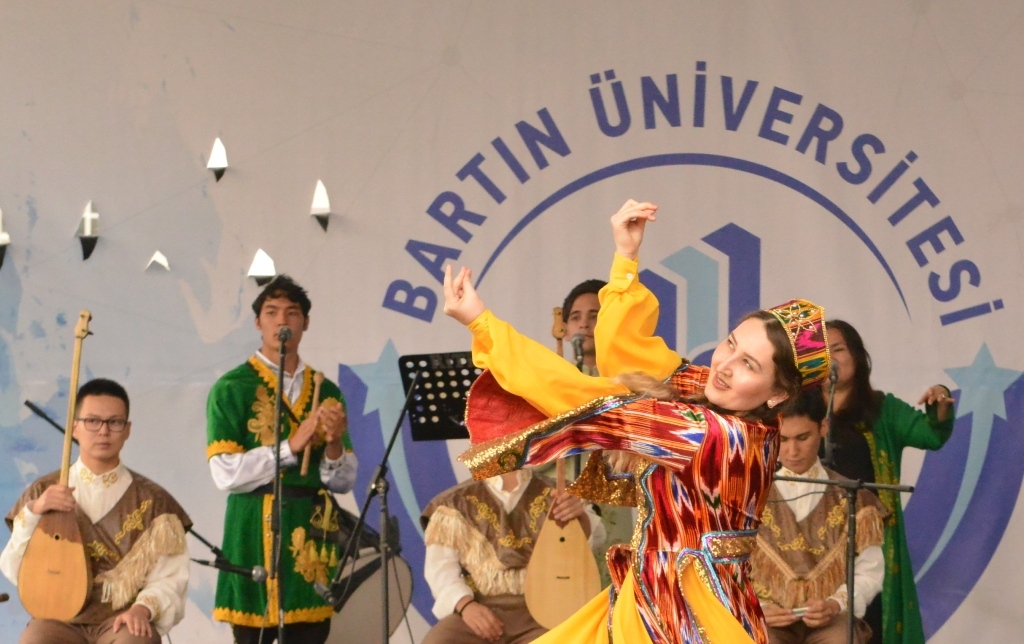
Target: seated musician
<point>479,537</point>
<point>133,531</point>
<point>799,565</point>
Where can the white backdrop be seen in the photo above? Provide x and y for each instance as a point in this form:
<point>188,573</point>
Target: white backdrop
<point>765,131</point>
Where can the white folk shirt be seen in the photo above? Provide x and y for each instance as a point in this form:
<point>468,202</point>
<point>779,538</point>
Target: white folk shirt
<point>96,494</point>
<point>247,471</point>
<point>441,567</point>
<point>868,566</point>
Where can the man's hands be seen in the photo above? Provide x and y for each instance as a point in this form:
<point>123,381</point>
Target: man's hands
<point>332,418</point>
<point>480,619</point>
<point>56,498</point>
<point>335,422</point>
<point>136,620</point>
<point>818,613</point>
<point>777,616</point>
<point>628,226</point>
<point>460,299</point>
<point>567,507</point>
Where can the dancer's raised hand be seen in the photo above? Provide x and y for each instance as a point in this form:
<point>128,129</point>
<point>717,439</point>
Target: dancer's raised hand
<point>628,226</point>
<point>460,299</point>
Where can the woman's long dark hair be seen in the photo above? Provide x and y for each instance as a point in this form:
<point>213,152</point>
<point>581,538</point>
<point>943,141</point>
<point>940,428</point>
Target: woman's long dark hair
<point>861,404</point>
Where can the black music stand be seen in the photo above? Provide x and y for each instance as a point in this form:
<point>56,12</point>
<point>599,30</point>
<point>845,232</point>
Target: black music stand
<point>850,490</point>
<point>438,409</point>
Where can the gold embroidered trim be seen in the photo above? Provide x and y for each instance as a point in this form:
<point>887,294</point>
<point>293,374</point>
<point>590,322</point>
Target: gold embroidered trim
<point>313,565</point>
<point>722,547</point>
<point>223,447</point>
<point>270,378</point>
<point>483,512</point>
<point>268,549</point>
<point>109,479</point>
<point>99,551</point>
<point>504,453</point>
<point>133,521</point>
<point>240,618</point>
<point>539,510</point>
<point>86,475</point>
<point>165,537</point>
<point>263,424</point>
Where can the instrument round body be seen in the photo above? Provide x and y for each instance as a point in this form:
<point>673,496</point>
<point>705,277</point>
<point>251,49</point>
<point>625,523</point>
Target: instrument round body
<point>55,577</point>
<point>562,574</point>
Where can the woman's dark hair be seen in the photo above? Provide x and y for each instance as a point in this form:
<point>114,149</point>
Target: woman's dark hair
<point>861,405</point>
<point>283,286</point>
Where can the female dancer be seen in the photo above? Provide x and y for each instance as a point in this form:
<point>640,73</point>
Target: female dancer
<point>703,458</point>
<point>871,428</point>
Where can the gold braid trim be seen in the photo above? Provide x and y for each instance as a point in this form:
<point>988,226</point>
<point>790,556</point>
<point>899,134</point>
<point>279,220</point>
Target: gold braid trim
<point>223,447</point>
<point>165,537</point>
<point>503,454</point>
<point>450,529</point>
<point>240,618</point>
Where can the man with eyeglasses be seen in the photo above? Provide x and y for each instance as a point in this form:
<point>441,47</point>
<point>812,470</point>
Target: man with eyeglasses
<point>132,530</point>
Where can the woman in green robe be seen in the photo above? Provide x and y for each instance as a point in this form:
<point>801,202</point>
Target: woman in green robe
<point>871,428</point>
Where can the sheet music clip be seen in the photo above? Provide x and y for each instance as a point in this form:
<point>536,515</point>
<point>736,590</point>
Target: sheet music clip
<point>438,409</point>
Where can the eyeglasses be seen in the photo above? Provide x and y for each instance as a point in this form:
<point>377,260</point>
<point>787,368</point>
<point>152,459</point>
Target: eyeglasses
<point>115,425</point>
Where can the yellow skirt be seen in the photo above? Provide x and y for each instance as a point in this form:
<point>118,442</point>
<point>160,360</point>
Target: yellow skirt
<point>590,623</point>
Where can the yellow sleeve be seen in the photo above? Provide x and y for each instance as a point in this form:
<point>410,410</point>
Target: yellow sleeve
<point>531,370</point>
<point>624,337</point>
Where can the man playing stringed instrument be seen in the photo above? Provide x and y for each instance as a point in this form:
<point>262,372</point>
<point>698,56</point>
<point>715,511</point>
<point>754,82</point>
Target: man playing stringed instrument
<point>133,530</point>
<point>240,449</point>
<point>479,537</point>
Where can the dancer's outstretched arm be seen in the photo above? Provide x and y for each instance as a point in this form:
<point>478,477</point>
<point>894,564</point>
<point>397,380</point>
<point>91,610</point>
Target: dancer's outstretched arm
<point>520,365</point>
<point>624,337</point>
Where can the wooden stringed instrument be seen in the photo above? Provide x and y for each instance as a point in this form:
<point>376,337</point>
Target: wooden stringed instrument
<point>55,577</point>
<point>562,574</point>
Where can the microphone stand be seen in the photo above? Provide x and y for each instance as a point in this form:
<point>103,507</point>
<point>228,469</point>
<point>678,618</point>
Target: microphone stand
<point>833,378</point>
<point>283,335</point>
<point>378,487</point>
<point>850,490</point>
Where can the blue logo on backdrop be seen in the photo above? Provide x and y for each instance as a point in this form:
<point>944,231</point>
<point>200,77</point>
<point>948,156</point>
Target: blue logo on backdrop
<point>954,521</point>
<point>958,515</point>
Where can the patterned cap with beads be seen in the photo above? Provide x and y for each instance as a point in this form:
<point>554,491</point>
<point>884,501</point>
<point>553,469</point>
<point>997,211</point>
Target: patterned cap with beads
<point>804,323</point>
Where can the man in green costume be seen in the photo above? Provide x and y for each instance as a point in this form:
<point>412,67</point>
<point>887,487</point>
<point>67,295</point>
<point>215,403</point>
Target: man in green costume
<point>240,449</point>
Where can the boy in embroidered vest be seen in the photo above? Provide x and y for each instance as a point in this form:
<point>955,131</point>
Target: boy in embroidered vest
<point>133,530</point>
<point>800,558</point>
<point>479,537</point>
<point>240,449</point>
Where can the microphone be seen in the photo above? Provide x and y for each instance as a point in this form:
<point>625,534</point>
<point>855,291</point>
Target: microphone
<point>577,349</point>
<point>256,573</point>
<point>4,597</point>
<point>284,334</point>
<point>833,376</point>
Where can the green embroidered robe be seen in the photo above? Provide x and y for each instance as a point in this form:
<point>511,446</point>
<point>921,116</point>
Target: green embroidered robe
<point>240,417</point>
<point>899,425</point>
